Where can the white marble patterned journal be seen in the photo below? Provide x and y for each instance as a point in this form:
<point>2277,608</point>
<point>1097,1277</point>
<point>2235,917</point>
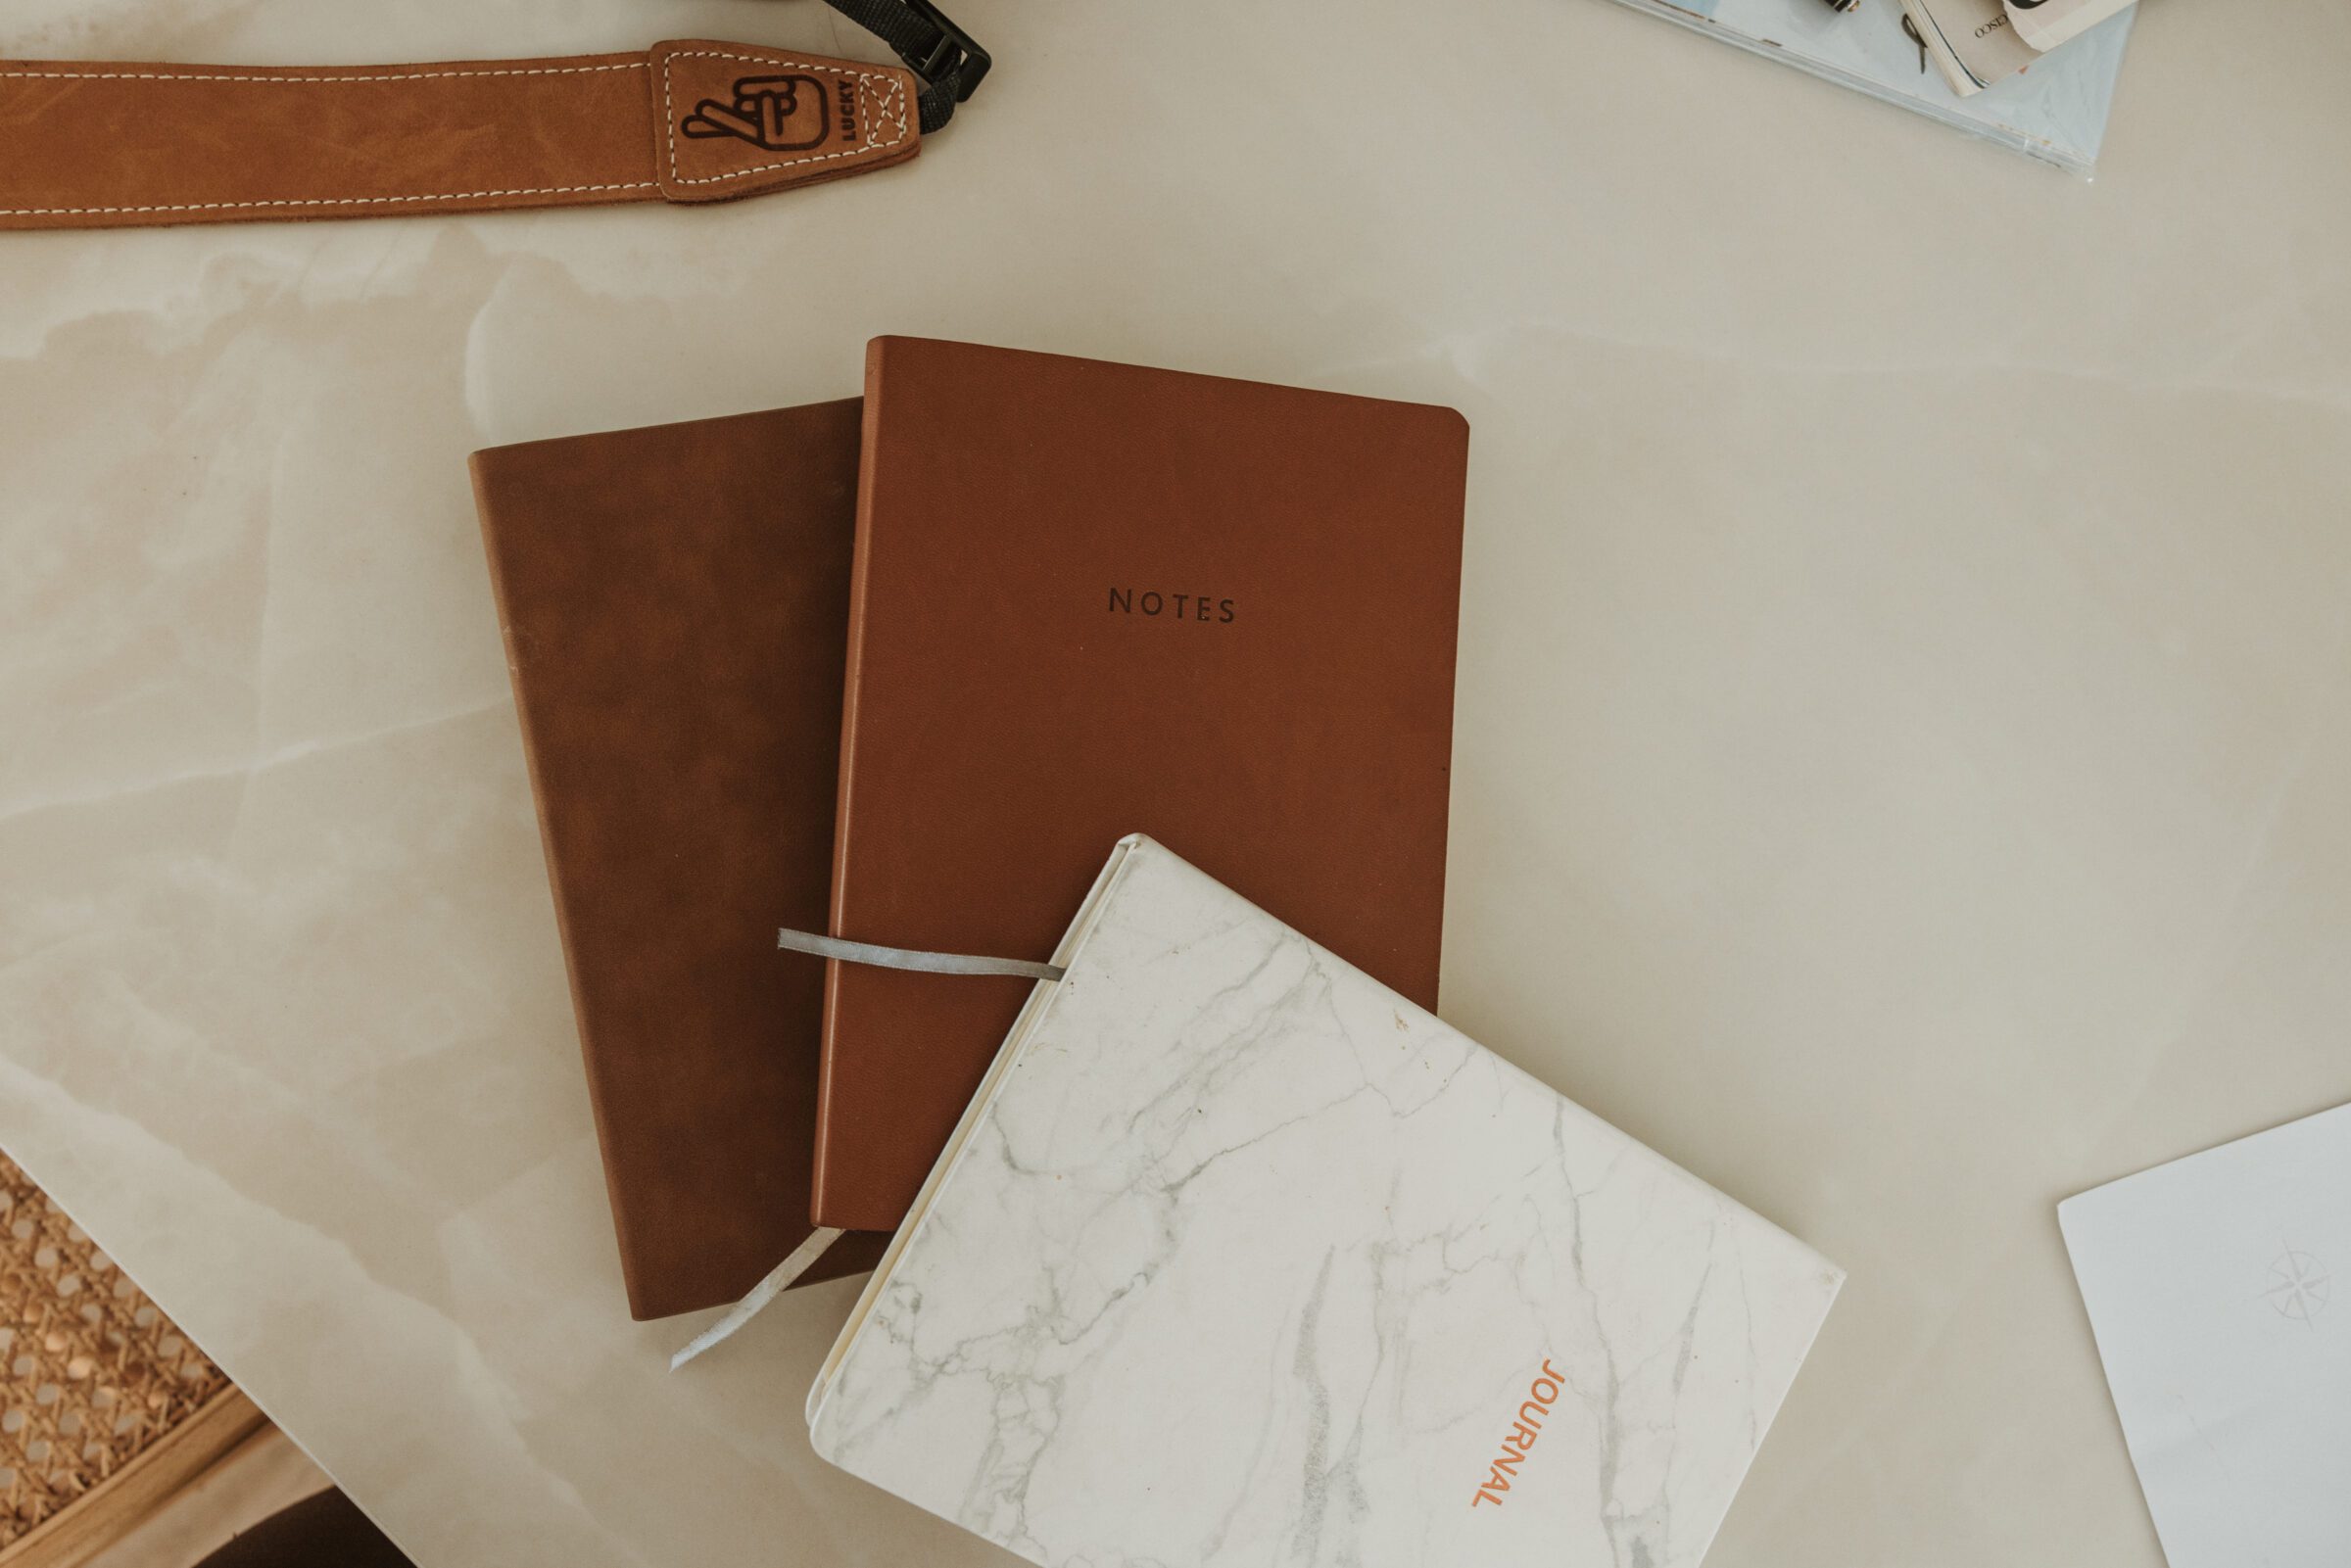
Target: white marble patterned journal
<point>1238,1258</point>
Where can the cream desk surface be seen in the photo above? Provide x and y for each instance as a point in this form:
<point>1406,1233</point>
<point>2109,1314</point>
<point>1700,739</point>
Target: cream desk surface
<point>1904,764</point>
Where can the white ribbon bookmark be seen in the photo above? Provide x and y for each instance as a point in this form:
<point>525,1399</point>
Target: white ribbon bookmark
<point>767,1290</point>
<point>805,1256</point>
<point>911,957</point>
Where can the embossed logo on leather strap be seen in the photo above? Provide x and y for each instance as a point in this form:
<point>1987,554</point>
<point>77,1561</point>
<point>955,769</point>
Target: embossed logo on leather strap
<point>769,113</point>
<point>737,120</point>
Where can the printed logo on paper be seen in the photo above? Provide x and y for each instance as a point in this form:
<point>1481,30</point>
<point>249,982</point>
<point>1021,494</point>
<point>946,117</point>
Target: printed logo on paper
<point>2298,1286</point>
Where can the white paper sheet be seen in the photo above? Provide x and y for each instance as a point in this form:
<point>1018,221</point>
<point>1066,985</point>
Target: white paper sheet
<point>2216,1287</point>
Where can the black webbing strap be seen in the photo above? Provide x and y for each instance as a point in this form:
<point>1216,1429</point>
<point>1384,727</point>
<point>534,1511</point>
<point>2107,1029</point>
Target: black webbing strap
<point>945,57</point>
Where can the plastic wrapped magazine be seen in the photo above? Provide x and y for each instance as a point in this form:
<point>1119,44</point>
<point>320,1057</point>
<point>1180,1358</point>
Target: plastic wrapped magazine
<point>2054,110</point>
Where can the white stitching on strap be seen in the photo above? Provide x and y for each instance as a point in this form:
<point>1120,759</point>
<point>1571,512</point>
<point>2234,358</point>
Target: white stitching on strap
<point>323,201</point>
<point>388,73</point>
<point>893,95</point>
<point>894,100</point>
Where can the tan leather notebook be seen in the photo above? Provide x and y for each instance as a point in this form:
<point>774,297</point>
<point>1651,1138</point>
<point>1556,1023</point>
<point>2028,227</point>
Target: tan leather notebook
<point>1093,599</point>
<point>675,605</point>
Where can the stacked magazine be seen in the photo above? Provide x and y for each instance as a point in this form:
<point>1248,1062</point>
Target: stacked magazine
<point>2037,76</point>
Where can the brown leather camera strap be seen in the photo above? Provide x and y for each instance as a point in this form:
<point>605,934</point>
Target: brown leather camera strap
<point>107,144</point>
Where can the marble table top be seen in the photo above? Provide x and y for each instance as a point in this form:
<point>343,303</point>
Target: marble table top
<point>1902,759</point>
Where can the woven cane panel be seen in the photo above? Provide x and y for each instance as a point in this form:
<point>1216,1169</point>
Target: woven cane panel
<point>95,1374</point>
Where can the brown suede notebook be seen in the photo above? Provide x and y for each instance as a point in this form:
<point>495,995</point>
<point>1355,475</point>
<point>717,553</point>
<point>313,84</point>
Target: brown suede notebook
<point>1093,599</point>
<point>676,606</point>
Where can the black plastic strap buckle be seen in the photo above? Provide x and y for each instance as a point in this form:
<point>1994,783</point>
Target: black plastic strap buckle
<point>956,54</point>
